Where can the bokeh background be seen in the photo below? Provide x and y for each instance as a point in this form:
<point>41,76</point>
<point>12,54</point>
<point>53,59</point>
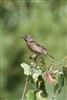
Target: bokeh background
<point>46,21</point>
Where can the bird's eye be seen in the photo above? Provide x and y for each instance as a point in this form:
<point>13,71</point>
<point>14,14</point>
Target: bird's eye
<point>27,36</point>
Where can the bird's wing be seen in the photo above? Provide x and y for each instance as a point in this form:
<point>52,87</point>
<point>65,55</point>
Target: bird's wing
<point>40,45</point>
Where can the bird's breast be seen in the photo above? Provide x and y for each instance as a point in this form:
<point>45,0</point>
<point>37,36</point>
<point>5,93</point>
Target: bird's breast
<point>35,48</point>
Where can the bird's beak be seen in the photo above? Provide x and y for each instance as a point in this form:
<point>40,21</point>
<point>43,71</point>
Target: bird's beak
<point>22,37</point>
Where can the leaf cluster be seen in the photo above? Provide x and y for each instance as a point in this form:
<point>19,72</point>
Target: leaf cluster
<point>38,72</point>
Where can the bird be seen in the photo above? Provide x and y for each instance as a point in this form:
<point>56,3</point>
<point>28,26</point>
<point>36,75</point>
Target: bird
<point>35,47</point>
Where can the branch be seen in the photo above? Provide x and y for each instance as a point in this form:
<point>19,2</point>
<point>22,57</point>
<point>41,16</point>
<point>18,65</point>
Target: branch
<point>25,88</point>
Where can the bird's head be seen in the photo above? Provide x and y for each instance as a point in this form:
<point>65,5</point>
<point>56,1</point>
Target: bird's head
<point>27,38</point>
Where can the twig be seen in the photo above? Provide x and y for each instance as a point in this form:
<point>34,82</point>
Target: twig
<point>25,87</point>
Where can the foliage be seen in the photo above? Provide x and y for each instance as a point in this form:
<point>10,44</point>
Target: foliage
<point>53,73</point>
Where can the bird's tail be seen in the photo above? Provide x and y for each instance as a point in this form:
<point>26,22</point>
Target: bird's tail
<point>50,55</point>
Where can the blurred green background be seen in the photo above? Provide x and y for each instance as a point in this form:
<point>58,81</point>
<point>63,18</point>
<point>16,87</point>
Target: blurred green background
<point>46,21</point>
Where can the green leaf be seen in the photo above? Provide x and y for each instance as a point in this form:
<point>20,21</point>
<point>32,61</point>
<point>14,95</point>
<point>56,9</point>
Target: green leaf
<point>26,68</point>
<point>31,95</point>
<point>55,88</point>
<point>41,96</point>
<point>60,82</point>
<point>65,73</point>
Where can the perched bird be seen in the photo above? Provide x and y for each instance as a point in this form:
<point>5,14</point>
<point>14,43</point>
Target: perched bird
<point>34,46</point>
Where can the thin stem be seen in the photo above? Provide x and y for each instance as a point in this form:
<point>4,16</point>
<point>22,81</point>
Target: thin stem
<point>25,88</point>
